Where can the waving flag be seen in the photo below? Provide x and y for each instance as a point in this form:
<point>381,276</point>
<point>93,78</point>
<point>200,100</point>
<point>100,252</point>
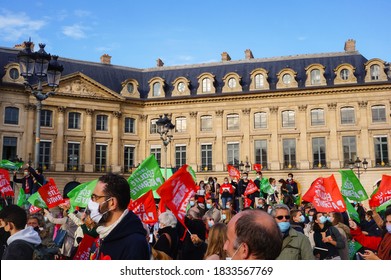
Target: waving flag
<point>5,185</point>
<point>36,200</point>
<point>50,194</point>
<point>9,165</point>
<point>325,195</point>
<point>352,187</point>
<point>354,246</point>
<point>80,195</point>
<point>175,193</point>
<point>233,172</point>
<point>257,167</point>
<point>383,193</point>
<point>21,198</point>
<point>265,186</point>
<point>353,214</point>
<point>146,177</point>
<point>144,207</point>
<point>251,188</point>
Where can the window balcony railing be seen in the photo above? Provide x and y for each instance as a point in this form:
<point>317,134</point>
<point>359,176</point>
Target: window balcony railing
<point>319,165</point>
<point>205,168</point>
<point>75,168</point>
<point>289,165</point>
<point>101,168</point>
<point>380,163</point>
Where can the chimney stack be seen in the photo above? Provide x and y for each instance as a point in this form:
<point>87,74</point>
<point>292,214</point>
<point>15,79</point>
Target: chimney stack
<point>248,54</point>
<point>225,57</point>
<point>350,45</point>
<point>105,59</point>
<point>159,62</point>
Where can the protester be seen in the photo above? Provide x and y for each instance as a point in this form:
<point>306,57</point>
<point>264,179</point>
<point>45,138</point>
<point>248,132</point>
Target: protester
<point>226,192</point>
<point>196,230</point>
<point>336,220</point>
<point>168,237</point>
<point>226,216</point>
<point>369,226</point>
<point>216,239</point>
<point>22,239</point>
<point>212,211</point>
<point>295,245</point>
<point>27,183</point>
<point>38,177</point>
<point>121,233</point>
<point>242,242</point>
<point>297,220</point>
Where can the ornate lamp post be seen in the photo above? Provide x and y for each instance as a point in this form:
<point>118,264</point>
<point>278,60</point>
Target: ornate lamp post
<point>247,166</point>
<point>164,126</point>
<point>358,164</point>
<point>40,64</point>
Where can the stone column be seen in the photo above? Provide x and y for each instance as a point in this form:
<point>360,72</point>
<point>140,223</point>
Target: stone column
<point>88,165</point>
<point>29,135</point>
<point>142,129</point>
<point>245,145</point>
<point>333,140</point>
<point>115,149</point>
<point>59,160</point>
<point>193,149</point>
<point>363,153</point>
<point>302,152</point>
<point>219,145</point>
<point>274,142</point>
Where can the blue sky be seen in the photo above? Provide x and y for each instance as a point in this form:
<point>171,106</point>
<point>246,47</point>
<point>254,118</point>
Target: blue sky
<point>136,33</point>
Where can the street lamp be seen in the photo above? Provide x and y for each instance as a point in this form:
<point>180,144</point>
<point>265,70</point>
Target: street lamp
<point>164,126</point>
<point>358,164</point>
<point>247,166</point>
<point>40,64</point>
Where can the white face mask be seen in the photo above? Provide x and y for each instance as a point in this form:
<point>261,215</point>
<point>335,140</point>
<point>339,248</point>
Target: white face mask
<point>93,206</point>
<point>230,258</point>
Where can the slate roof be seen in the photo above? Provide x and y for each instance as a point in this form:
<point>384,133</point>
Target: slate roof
<point>112,76</point>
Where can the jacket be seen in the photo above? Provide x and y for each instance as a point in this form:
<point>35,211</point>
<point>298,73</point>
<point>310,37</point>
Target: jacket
<point>127,241</point>
<point>17,250</point>
<point>296,246</point>
<point>27,183</point>
<point>168,245</point>
<point>369,242</point>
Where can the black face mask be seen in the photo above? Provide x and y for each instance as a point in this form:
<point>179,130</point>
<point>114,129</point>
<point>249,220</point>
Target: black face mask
<point>37,229</point>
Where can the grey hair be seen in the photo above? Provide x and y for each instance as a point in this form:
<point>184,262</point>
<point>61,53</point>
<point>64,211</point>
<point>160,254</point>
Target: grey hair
<point>168,219</point>
<point>279,206</point>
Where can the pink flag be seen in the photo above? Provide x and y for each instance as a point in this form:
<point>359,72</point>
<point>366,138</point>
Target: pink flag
<point>50,194</point>
<point>325,195</point>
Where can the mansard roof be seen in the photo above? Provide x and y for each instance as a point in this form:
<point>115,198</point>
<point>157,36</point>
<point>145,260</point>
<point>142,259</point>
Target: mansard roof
<point>111,76</point>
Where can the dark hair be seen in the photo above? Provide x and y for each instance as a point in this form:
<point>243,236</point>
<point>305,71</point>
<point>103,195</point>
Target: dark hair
<point>118,187</point>
<point>263,241</point>
<point>271,180</point>
<point>39,170</point>
<point>259,172</point>
<point>290,174</point>
<point>14,214</point>
<point>293,213</point>
<point>338,218</point>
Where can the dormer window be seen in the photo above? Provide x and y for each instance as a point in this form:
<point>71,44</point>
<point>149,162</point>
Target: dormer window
<point>259,79</point>
<point>156,87</point>
<point>206,85</point>
<point>286,79</point>
<point>344,74</point>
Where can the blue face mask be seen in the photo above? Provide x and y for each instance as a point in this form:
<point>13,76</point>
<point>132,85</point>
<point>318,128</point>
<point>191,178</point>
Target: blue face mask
<point>311,218</point>
<point>192,203</point>
<point>322,219</point>
<point>209,206</point>
<point>284,226</point>
<point>328,218</point>
<point>302,219</point>
<point>388,227</point>
<point>211,223</point>
<point>223,216</point>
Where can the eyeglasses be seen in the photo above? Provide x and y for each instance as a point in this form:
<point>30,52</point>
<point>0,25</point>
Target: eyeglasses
<point>95,197</point>
<point>287,217</point>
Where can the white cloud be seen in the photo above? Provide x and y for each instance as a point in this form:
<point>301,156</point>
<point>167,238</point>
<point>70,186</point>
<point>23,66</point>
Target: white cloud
<point>75,31</point>
<point>17,26</point>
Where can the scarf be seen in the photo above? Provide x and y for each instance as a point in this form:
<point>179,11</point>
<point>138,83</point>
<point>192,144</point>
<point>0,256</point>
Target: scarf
<point>104,231</point>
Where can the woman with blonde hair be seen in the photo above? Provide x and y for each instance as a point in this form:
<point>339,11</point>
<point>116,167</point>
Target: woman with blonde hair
<point>226,216</point>
<point>216,239</point>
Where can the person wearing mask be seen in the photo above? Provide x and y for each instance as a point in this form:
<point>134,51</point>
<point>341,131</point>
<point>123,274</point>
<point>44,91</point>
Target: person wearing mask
<point>22,239</point>
<point>308,227</point>
<point>194,246</point>
<point>212,211</point>
<point>257,182</point>
<point>292,185</point>
<point>121,233</point>
<point>38,178</point>
<point>336,220</point>
<point>215,245</point>
<point>295,245</point>
<point>369,226</point>
<point>274,197</point>
<point>261,203</point>
<point>27,184</point>
<point>201,192</point>
<point>286,193</point>
<point>327,239</point>
<point>297,220</point>
<point>226,216</point>
<point>195,206</point>
<point>226,192</point>
<point>239,192</point>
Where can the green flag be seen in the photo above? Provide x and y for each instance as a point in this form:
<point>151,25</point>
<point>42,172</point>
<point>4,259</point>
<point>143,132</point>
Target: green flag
<point>354,246</point>
<point>383,206</point>
<point>351,210</point>
<point>80,195</point>
<point>147,176</point>
<point>265,186</point>
<point>9,165</point>
<point>192,172</point>
<point>36,200</point>
<point>21,198</point>
<point>352,187</point>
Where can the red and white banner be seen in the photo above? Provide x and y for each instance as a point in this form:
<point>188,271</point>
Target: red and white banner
<point>84,248</point>
<point>257,167</point>
<point>383,193</point>
<point>251,188</point>
<point>34,209</point>
<point>50,194</point>
<point>325,195</point>
<point>144,207</point>
<point>233,172</point>
<point>5,185</point>
<point>247,202</point>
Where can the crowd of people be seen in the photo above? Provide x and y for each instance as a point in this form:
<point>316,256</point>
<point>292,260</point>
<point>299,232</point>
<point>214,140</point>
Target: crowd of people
<point>224,221</point>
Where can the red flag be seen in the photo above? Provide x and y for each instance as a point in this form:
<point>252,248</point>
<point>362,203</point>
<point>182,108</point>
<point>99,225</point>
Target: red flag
<point>5,185</point>
<point>84,248</point>
<point>50,194</point>
<point>34,209</point>
<point>176,192</point>
<point>247,202</point>
<point>257,167</point>
<point>144,207</point>
<point>383,193</point>
<point>325,195</point>
<point>251,188</point>
<point>233,172</point>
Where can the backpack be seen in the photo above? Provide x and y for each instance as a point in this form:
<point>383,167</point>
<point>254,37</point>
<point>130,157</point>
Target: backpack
<point>43,252</point>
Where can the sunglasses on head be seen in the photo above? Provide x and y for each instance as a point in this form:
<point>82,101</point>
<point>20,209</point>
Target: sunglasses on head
<point>287,217</point>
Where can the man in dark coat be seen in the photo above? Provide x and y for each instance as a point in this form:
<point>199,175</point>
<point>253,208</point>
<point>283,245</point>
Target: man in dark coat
<point>121,233</point>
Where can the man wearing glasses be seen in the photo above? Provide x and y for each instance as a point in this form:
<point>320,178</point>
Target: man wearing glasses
<point>121,233</point>
<point>295,245</point>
